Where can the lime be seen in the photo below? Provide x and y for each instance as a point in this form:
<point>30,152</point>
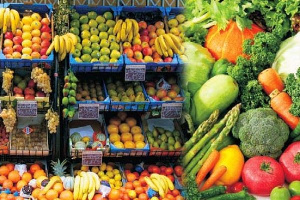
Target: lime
<point>74,15</point>
<point>86,43</point>
<point>86,58</point>
<point>110,23</point>
<point>75,23</point>
<point>85,27</point>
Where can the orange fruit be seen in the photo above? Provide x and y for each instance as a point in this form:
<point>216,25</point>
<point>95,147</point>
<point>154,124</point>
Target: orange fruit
<point>131,177</point>
<point>129,145</point>
<point>7,184</point>
<point>126,137</point>
<point>124,128</point>
<point>140,144</point>
<point>66,195</point>
<point>138,137</point>
<point>119,145</point>
<point>51,194</point>
<point>136,184</point>
<point>114,137</point>
<point>143,196</point>
<point>10,197</point>
<point>36,192</point>
<point>129,185</point>
<point>26,177</point>
<point>114,194</point>
<point>14,176</point>
<point>131,121</point>
<point>139,190</point>
<point>39,173</point>
<point>10,166</point>
<point>14,189</point>
<point>3,195</point>
<point>175,192</point>
<point>112,129</point>
<point>36,40</point>
<point>136,130</point>
<point>115,121</point>
<point>34,168</point>
<point>58,187</point>
<point>2,179</point>
<point>4,170</point>
<point>21,184</point>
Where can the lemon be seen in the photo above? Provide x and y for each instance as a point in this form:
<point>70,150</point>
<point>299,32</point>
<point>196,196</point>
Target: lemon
<point>118,183</point>
<point>116,171</point>
<point>105,178</point>
<point>112,181</point>
<point>154,198</point>
<point>101,173</point>
<point>119,145</point>
<point>85,168</point>
<point>110,174</point>
<point>103,167</point>
<point>95,169</point>
<point>118,177</point>
<point>109,168</point>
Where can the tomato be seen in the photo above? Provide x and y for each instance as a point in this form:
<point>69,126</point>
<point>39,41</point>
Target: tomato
<point>171,178</point>
<point>163,168</point>
<point>178,170</point>
<point>295,197</point>
<point>145,173</point>
<point>150,168</point>
<point>169,171</point>
<point>156,170</point>
<point>261,174</point>
<point>237,187</point>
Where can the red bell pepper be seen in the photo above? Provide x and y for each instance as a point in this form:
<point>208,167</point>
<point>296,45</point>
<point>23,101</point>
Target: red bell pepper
<point>295,197</point>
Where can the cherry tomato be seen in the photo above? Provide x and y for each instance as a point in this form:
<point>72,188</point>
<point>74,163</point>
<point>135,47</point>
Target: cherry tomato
<point>295,197</point>
<point>237,187</point>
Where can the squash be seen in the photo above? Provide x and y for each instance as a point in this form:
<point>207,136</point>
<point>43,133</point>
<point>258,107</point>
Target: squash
<point>80,145</point>
<point>68,183</point>
<point>228,43</point>
<point>75,137</point>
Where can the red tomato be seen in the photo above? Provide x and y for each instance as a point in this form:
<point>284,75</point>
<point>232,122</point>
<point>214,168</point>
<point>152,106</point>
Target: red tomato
<point>145,173</point>
<point>156,170</point>
<point>137,175</point>
<point>169,171</point>
<point>150,168</point>
<point>295,197</point>
<point>178,170</point>
<point>237,187</point>
<point>163,168</point>
<point>175,192</point>
<point>171,177</point>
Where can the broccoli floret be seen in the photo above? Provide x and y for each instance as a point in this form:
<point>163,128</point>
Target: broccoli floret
<point>261,132</point>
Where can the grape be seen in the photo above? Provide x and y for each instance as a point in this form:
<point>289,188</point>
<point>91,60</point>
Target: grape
<point>53,120</point>
<point>42,79</point>
<point>7,79</point>
<point>9,118</point>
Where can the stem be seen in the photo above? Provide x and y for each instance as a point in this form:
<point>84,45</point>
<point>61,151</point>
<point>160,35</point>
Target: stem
<point>297,158</point>
<point>266,167</point>
<point>210,24</point>
<point>197,20</point>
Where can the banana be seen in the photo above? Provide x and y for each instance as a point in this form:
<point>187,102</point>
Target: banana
<point>175,40</point>
<point>73,37</point>
<point>5,20</point>
<point>160,189</point>
<point>16,16</point>
<point>117,27</point>
<point>50,48</point>
<point>8,18</point>
<point>135,27</point>
<point>63,56</point>
<point>67,43</point>
<point>20,25</point>
<point>118,39</point>
<point>130,36</point>
<point>61,45</point>
<point>96,180</point>
<point>162,182</point>
<point>170,52</point>
<point>13,23</point>
<point>53,180</point>
<point>170,43</point>
<point>2,10</point>
<point>166,187</point>
<point>170,183</point>
<point>91,182</point>
<point>128,26</point>
<point>123,32</point>
<point>56,43</point>
<point>86,182</point>
<point>151,184</point>
<point>163,46</point>
<point>157,47</point>
<point>80,188</point>
<point>72,47</point>
<point>76,187</point>
<point>91,194</point>
<point>84,196</point>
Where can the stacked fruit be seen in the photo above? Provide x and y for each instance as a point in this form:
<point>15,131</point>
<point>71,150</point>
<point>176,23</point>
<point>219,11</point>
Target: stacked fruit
<point>9,19</point>
<point>7,79</point>
<point>125,133</point>
<point>89,90</point>
<point>30,40</point>
<point>4,138</point>
<point>52,120</point>
<point>85,186</point>
<point>96,41</point>
<point>69,93</point>
<point>168,44</point>
<point>161,90</point>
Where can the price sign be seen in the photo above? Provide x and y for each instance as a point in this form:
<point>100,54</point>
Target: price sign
<point>171,110</point>
<point>27,108</point>
<point>92,158</point>
<point>88,111</point>
<point>135,72</point>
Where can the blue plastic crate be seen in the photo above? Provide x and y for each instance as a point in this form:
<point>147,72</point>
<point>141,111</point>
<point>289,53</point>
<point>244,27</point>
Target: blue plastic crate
<point>103,105</point>
<point>171,12</point>
<point>132,151</point>
<point>1,5</point>
<point>16,63</point>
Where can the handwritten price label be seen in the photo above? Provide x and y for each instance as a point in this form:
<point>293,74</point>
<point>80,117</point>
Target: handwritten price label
<point>88,111</point>
<point>171,110</point>
<point>27,108</point>
<point>92,158</point>
<point>135,72</point>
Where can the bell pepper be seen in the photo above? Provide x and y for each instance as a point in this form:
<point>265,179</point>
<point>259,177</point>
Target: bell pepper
<point>233,159</point>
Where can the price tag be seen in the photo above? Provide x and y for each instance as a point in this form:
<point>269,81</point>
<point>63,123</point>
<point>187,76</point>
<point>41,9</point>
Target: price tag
<point>27,130</point>
<point>27,108</point>
<point>135,72</point>
<point>98,66</point>
<point>92,158</point>
<point>171,110</point>
<point>88,111</point>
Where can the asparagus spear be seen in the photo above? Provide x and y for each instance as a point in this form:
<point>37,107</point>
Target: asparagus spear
<point>194,150</point>
<point>203,128</point>
<point>229,124</point>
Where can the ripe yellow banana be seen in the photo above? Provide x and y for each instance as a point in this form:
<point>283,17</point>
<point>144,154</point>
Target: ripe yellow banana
<point>13,23</point>
<point>157,47</point>
<point>130,36</point>
<point>8,18</point>
<point>5,20</point>
<point>53,180</point>
<point>170,52</point>
<point>81,185</point>
<point>62,56</point>
<point>175,40</point>
<point>96,180</point>
<point>91,182</point>
<point>123,32</point>
<point>86,182</point>
<point>16,16</point>
<point>73,37</point>
<point>56,43</point>
<point>161,181</point>
<point>163,46</point>
<point>128,26</point>
<point>84,196</point>
<point>61,45</point>
<point>170,183</point>
<point>135,27</point>
<point>118,39</point>
<point>2,10</point>
<point>50,48</point>
<point>76,187</point>
<point>117,27</point>
<point>160,189</point>
<point>67,43</point>
<point>151,184</point>
<point>170,43</point>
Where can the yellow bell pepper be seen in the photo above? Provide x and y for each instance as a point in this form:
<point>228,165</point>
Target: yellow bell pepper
<point>233,159</point>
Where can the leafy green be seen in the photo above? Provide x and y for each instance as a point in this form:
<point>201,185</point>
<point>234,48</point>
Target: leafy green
<point>292,87</point>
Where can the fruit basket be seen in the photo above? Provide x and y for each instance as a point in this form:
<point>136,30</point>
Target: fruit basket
<point>132,141</point>
<point>34,51</point>
<point>142,51</point>
<point>87,57</point>
<point>30,137</point>
<point>127,96</point>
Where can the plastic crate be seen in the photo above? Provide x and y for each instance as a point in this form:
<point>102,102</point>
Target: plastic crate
<point>171,12</point>
<point>21,7</point>
<point>126,11</point>
<point>127,152</point>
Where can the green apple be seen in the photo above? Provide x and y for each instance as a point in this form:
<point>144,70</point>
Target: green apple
<point>280,193</point>
<point>94,60</point>
<point>96,54</point>
<point>108,15</point>
<point>136,41</point>
<point>92,15</point>
<point>75,23</point>
<point>78,46</point>
<point>115,54</point>
<point>103,35</point>
<point>74,30</point>
<point>104,43</point>
<point>294,188</point>
<point>111,38</point>
<point>86,58</point>
<point>86,50</point>
<point>85,34</point>
<point>77,59</point>
<point>95,46</point>
<point>113,60</point>
<point>77,53</point>
<point>114,46</point>
<point>104,58</point>
<point>110,23</point>
<point>75,15</point>
<point>94,31</point>
<point>105,51</point>
<point>84,19</point>
<point>180,18</point>
<point>85,27</point>
<point>78,38</point>
<point>86,43</point>
<point>100,19</point>
<point>110,31</point>
<point>126,45</point>
<point>94,38</point>
<point>102,27</point>
<point>93,23</point>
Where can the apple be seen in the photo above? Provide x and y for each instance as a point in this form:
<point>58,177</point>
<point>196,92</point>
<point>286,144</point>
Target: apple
<point>145,38</point>
<point>9,35</point>
<point>126,45</point>
<point>45,21</point>
<point>151,91</point>
<point>19,95</point>
<point>145,44</point>
<point>40,94</point>
<point>151,42</point>
<point>144,32</point>
<point>161,93</point>
<point>128,52</point>
<point>29,91</point>
<point>138,55</point>
<point>45,28</point>
<point>45,44</point>
<point>136,41</point>
<point>155,98</point>
<point>17,90</point>
<point>44,57</point>
<point>43,51</point>
<point>143,25</point>
<point>136,47</point>
<point>157,60</point>
<point>168,59</point>
<point>159,24</point>
<point>17,40</point>
<point>17,48</point>
<point>7,50</point>
<point>152,35</point>
<point>148,59</point>
<point>140,61</point>
<point>151,28</point>
<point>31,83</point>
<point>147,51</point>
<point>8,43</point>
<point>156,55</point>
<point>29,97</point>
<point>175,87</point>
<point>166,99</point>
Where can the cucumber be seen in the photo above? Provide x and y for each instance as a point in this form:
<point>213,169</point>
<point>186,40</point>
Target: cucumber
<point>242,195</point>
<point>211,192</point>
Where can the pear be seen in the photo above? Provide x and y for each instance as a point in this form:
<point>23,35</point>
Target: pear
<point>65,112</point>
<point>140,98</point>
<point>114,98</point>
<point>112,93</point>
<point>129,91</point>
<point>151,140</point>
<point>65,101</point>
<point>155,144</point>
<point>168,133</point>
<point>176,133</point>
<point>72,100</point>
<point>120,89</point>
<point>163,146</point>
<point>132,97</point>
<point>138,89</point>
<point>74,86</point>
<point>65,92</point>
<point>66,79</point>
<point>171,147</point>
<point>160,130</point>
<point>72,93</point>
<point>111,86</point>
<point>155,133</point>
<point>125,99</point>
<point>171,141</point>
<point>164,138</point>
<point>159,141</point>
<point>177,145</point>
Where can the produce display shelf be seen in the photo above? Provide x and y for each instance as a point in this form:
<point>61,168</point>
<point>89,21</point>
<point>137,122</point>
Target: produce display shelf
<point>45,10</point>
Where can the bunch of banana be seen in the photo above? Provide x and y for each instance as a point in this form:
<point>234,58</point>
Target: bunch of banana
<point>160,184</point>
<point>9,19</point>
<point>63,44</point>
<point>85,186</point>
<point>168,44</point>
<point>126,30</point>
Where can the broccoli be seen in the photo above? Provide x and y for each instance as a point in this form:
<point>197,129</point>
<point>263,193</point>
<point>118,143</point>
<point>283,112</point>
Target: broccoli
<point>261,132</point>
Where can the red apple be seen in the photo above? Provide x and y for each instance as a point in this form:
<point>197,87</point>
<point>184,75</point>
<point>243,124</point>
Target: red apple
<point>17,48</point>
<point>168,59</point>
<point>132,59</point>
<point>9,35</point>
<point>152,35</point>
<point>136,47</point>
<point>159,24</point>
<point>128,52</point>
<point>45,21</point>
<point>138,55</point>
<point>142,25</point>
<point>161,93</point>
<point>144,32</point>
<point>31,83</point>
<point>19,95</point>
<point>17,90</point>
<point>44,57</point>
<point>29,91</point>
<point>29,97</point>
<point>43,51</point>
<point>40,94</point>
<point>157,60</point>
<point>45,28</point>
<point>147,51</point>
<point>7,50</point>
<point>155,98</point>
<point>45,44</point>
<point>145,44</point>
<point>17,40</point>
<point>145,38</point>
<point>140,61</point>
<point>151,28</point>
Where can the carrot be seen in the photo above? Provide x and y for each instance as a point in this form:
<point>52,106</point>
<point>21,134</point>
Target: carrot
<point>281,104</point>
<point>207,166</point>
<point>218,173</point>
<point>270,80</point>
